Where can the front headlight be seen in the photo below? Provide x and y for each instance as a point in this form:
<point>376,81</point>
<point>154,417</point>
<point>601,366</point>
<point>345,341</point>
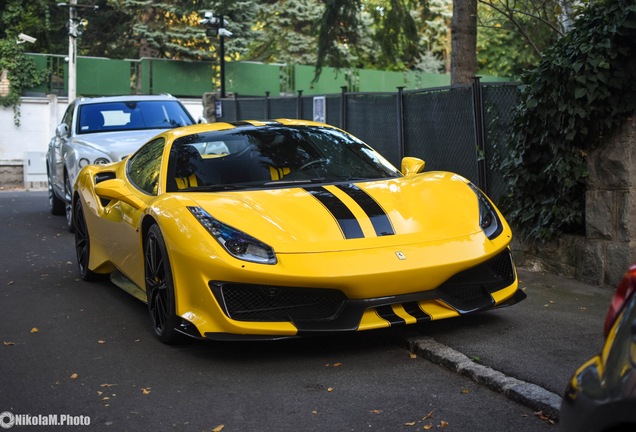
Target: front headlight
<point>235,242</point>
<point>488,218</point>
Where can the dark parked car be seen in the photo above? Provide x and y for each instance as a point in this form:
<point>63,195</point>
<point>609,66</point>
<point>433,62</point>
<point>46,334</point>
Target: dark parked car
<point>601,396</point>
<point>103,130</point>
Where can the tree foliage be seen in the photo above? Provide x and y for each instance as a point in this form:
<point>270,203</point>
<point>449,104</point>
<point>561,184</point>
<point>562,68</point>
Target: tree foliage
<point>583,88</point>
<point>20,70</point>
<point>374,34</point>
<point>286,32</point>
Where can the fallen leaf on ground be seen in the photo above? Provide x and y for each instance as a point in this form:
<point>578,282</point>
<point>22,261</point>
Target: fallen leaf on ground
<point>35,330</point>
<point>330,389</point>
<point>443,424</point>
<point>409,424</point>
<point>428,427</point>
<point>314,412</point>
<point>219,428</point>
<point>107,385</point>
<point>145,390</point>
<point>375,411</point>
<point>74,376</point>
<point>428,416</point>
<point>544,417</point>
<point>465,391</point>
<point>337,364</point>
<point>8,343</point>
<point>101,341</point>
<point>10,283</point>
<point>413,355</point>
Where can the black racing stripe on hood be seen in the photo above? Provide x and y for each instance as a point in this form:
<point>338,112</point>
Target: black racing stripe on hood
<point>348,223</point>
<point>377,215</point>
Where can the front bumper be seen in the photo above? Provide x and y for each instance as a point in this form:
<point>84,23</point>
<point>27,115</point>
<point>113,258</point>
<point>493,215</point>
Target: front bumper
<point>312,311</point>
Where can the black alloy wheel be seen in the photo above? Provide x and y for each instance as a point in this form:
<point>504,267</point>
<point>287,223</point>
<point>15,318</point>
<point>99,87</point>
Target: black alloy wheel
<point>160,288</point>
<point>82,243</point>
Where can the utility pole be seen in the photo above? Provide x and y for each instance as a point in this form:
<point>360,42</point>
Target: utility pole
<point>75,28</point>
<point>72,52</point>
<point>222,58</point>
<point>216,27</point>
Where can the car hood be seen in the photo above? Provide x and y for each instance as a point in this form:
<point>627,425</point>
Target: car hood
<point>116,145</point>
<point>424,208</point>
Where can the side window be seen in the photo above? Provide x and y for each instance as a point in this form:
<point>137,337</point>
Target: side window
<point>145,165</point>
<point>68,116</point>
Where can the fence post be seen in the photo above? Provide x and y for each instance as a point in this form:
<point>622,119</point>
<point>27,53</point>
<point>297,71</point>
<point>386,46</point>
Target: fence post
<point>266,105</point>
<point>299,105</point>
<point>236,107</point>
<point>343,108</point>
<point>480,138</point>
<point>400,121</point>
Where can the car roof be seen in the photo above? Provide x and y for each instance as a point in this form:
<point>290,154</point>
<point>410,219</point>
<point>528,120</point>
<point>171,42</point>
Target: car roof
<point>124,98</point>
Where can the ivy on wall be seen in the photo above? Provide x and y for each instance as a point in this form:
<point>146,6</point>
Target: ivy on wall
<point>21,73</point>
<point>584,88</point>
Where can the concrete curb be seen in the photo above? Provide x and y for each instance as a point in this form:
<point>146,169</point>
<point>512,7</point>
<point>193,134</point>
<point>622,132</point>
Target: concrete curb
<point>530,395</point>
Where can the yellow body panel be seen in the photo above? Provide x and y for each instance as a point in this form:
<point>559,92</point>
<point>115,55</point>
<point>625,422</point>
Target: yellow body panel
<point>430,244</point>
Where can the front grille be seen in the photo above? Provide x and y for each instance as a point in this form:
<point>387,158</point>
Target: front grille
<point>265,303</point>
<point>475,283</point>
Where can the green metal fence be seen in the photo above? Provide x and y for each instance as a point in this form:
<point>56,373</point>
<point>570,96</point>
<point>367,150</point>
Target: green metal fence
<point>102,76</point>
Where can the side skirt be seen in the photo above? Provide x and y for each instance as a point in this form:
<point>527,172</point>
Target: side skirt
<point>127,285</point>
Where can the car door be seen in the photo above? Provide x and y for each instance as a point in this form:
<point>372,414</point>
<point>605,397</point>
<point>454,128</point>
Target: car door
<point>142,171</point>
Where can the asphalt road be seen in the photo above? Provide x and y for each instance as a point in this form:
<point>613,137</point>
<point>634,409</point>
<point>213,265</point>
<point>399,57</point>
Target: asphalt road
<point>69,347</point>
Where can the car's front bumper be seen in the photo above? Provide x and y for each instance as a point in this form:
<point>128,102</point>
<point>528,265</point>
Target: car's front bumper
<point>275,311</point>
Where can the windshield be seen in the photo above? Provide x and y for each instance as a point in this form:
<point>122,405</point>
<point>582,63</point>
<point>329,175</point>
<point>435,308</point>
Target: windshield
<point>131,115</point>
<point>273,156</point>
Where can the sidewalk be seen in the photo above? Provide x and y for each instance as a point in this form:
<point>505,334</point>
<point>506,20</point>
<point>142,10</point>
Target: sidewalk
<point>527,351</point>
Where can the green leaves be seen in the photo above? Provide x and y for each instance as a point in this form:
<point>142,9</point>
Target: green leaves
<point>583,89</point>
<point>21,73</point>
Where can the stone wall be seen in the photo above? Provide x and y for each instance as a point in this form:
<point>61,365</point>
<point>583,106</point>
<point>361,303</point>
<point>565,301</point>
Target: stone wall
<point>609,245</point>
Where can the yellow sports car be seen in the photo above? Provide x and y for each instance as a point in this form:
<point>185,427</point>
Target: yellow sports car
<point>287,228</point>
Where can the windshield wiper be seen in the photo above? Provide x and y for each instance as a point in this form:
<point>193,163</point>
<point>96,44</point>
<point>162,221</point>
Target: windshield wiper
<point>218,187</point>
<point>290,182</point>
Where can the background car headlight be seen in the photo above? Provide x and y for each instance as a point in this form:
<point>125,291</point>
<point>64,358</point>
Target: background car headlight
<point>488,218</point>
<point>101,161</point>
<point>237,243</point>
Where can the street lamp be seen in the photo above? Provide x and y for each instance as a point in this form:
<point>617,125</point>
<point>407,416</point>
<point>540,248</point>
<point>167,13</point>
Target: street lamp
<point>75,28</point>
<point>216,27</point>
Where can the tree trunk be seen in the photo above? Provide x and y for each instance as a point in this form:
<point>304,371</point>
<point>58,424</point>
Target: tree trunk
<point>464,42</point>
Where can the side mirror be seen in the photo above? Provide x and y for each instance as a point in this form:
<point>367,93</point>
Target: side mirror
<point>61,130</point>
<point>412,165</point>
<point>115,189</point>
<point>201,120</point>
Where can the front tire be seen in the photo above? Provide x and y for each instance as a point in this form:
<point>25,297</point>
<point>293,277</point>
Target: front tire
<point>82,243</point>
<point>160,288</point>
